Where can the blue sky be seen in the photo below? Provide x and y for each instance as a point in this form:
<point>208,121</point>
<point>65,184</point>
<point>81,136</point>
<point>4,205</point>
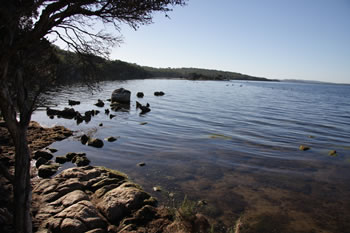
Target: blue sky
<point>283,39</point>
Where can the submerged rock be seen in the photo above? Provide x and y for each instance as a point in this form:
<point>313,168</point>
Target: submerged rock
<point>157,189</point>
<point>111,139</point>
<point>80,160</point>
<point>332,153</point>
<point>304,148</point>
<point>69,156</point>
<point>95,142</point>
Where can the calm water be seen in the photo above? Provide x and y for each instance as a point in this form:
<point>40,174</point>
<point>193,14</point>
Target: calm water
<point>233,144</point>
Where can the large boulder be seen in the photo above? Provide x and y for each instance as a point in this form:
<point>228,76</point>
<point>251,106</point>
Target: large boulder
<point>121,201</point>
<point>121,95</point>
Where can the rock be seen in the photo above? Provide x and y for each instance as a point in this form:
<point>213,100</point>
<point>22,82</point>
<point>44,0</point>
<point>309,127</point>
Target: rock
<point>100,103</point>
<point>79,217</point>
<point>95,142</point>
<point>121,201</point>
<point>61,159</point>
<point>157,189</point>
<point>52,150</point>
<point>111,116</point>
<point>95,199</point>
<point>304,148</point>
<point>73,102</point>
<point>47,170</point>
<point>40,161</point>
<point>80,160</point>
<point>202,203</point>
<point>143,123</point>
<point>106,111</point>
<point>42,154</point>
<point>141,164</point>
<point>88,113</point>
<point>140,94</point>
<point>84,139</point>
<point>111,139</point>
<point>69,156</point>
<point>68,113</point>
<point>79,118</point>
<point>144,109</point>
<point>332,153</point>
<point>121,95</point>
<point>201,224</point>
<point>159,93</point>
<point>100,125</point>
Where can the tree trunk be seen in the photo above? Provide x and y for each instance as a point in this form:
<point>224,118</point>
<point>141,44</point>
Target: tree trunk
<point>22,185</point>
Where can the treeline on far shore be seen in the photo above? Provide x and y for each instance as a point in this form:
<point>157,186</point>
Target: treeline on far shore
<point>72,68</point>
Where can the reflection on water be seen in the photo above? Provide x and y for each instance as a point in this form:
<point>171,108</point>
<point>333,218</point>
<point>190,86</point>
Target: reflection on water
<point>232,144</point>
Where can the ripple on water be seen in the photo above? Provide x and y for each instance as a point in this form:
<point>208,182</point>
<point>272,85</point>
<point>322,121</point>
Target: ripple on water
<point>234,146</point>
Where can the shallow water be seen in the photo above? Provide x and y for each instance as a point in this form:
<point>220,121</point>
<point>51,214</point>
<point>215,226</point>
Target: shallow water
<point>234,144</point>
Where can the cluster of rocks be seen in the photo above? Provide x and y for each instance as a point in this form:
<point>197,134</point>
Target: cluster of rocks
<point>120,101</point>
<point>38,138</point>
<point>47,168</point>
<point>95,199</point>
<point>70,113</point>
<point>159,93</point>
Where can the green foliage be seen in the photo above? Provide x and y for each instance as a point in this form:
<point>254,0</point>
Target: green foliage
<point>72,68</point>
<point>187,210</point>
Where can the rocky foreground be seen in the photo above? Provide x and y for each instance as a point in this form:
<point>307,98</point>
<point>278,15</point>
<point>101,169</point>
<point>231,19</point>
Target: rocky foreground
<point>86,199</point>
<point>95,199</point>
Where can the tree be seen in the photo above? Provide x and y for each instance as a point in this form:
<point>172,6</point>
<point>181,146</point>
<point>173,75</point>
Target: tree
<point>27,61</point>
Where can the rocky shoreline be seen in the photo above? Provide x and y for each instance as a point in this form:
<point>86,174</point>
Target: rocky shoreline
<point>86,198</point>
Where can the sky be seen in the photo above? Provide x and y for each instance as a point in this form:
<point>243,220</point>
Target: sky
<point>279,39</point>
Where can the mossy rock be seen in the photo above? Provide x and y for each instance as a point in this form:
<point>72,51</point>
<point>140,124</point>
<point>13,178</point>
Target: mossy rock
<point>113,173</point>
<point>42,154</point>
<point>47,170</point>
<point>304,148</point>
<point>61,159</point>
<point>332,153</point>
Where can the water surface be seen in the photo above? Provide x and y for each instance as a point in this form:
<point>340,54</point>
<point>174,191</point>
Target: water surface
<point>234,144</point>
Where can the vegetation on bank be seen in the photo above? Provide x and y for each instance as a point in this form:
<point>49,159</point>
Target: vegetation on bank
<point>71,68</point>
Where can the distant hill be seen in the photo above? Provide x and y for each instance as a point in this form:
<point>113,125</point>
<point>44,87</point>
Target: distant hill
<point>72,69</point>
<point>201,74</point>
